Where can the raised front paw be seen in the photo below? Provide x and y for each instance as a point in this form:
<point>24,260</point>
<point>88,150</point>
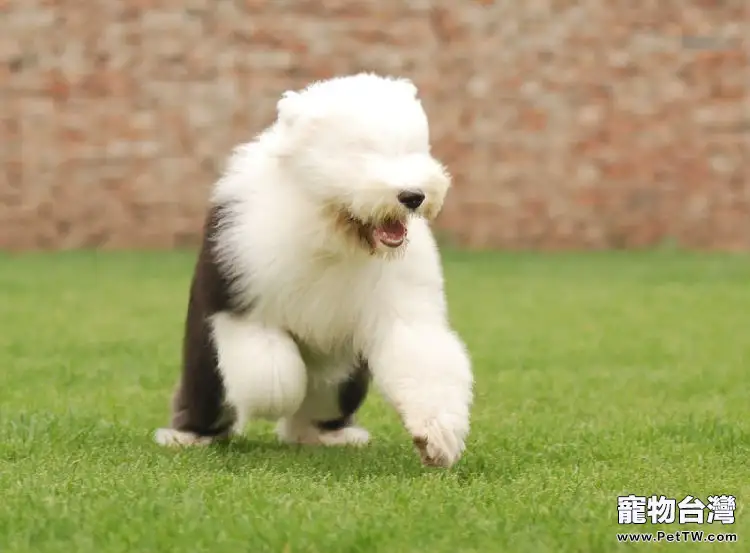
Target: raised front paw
<point>439,441</point>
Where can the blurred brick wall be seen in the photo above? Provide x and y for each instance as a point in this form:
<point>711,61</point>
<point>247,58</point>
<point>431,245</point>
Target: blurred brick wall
<point>567,124</point>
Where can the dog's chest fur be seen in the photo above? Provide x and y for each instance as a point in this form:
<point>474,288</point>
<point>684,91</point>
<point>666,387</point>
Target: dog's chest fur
<point>329,306</point>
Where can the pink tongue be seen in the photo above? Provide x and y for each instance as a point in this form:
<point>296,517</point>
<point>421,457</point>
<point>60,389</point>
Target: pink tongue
<point>393,230</point>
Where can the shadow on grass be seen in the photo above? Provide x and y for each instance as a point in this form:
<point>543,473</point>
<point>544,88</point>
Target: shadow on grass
<point>393,458</point>
<point>39,438</point>
<point>378,459</point>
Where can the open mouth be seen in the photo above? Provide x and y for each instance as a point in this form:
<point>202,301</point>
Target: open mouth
<point>389,233</point>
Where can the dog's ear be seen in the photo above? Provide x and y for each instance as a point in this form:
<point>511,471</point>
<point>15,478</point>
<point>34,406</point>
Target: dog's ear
<point>409,86</point>
<point>288,107</point>
<point>295,110</point>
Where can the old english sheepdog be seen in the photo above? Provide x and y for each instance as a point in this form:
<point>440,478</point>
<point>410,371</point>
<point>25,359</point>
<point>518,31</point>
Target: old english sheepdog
<point>318,274</point>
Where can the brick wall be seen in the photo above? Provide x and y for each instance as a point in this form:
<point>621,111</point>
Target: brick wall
<point>567,124</point>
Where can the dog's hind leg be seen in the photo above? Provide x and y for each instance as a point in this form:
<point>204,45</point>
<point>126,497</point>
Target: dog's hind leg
<point>200,414</point>
<point>199,411</point>
<point>326,417</point>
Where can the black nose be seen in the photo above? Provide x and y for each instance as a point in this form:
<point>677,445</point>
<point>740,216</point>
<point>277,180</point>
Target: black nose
<point>411,198</point>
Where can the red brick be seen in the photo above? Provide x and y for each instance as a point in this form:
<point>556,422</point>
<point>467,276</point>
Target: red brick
<point>579,126</point>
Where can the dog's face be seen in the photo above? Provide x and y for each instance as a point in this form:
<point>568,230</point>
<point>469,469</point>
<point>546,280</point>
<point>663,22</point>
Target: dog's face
<point>360,147</point>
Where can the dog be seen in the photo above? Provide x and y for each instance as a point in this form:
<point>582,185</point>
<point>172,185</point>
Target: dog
<point>319,276</point>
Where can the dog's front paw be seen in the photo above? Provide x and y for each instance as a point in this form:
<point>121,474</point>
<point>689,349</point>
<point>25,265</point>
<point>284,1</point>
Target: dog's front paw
<point>440,443</point>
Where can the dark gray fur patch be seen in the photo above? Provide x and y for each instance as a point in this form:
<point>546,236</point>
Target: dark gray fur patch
<point>198,405</point>
<point>351,396</point>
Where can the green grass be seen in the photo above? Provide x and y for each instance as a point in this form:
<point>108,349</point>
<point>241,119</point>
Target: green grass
<point>598,375</point>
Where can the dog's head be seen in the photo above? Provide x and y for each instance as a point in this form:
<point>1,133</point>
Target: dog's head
<point>359,146</point>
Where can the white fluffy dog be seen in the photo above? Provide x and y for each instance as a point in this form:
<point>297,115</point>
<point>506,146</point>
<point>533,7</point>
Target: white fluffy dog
<point>319,273</point>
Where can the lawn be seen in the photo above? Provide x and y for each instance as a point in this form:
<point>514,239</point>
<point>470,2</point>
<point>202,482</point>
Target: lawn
<point>598,375</point>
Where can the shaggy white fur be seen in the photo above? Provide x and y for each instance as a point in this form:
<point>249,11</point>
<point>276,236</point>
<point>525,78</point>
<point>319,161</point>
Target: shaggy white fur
<point>327,236</point>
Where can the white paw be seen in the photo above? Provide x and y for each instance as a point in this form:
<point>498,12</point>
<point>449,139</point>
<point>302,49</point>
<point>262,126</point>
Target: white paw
<point>238,428</point>
<point>350,435</point>
<point>439,442</point>
<point>170,437</point>
<point>308,434</point>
